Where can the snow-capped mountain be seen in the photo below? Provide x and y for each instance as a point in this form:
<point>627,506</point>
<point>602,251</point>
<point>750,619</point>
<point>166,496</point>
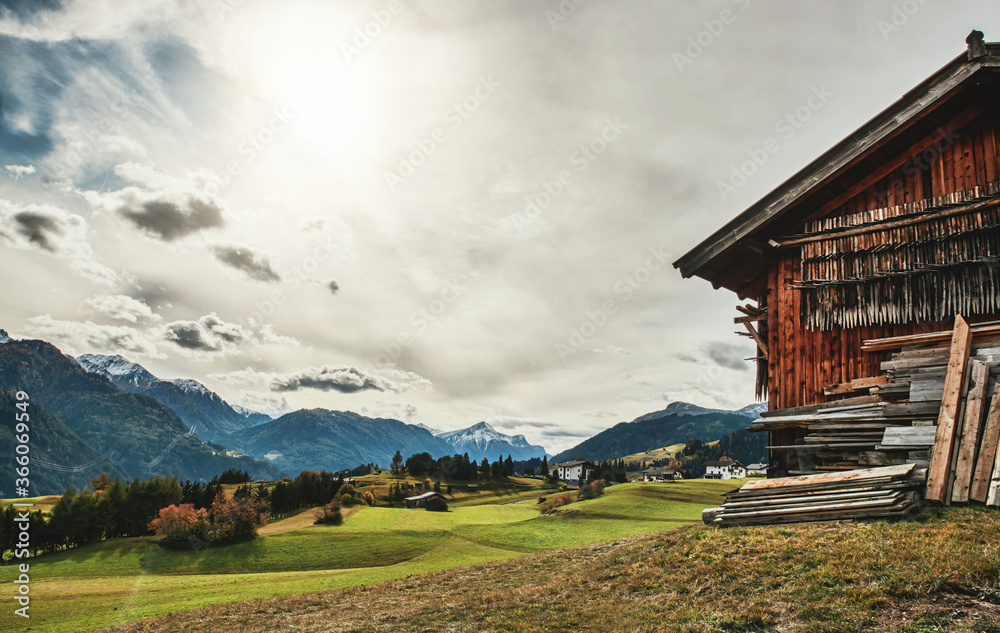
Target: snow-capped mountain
<point>209,415</point>
<point>254,416</point>
<point>482,440</point>
<point>4,338</point>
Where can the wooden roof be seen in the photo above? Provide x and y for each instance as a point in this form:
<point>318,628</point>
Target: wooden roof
<point>736,256</point>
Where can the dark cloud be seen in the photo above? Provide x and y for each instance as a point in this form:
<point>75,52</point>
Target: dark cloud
<point>340,378</point>
<point>25,9</point>
<point>207,334</point>
<point>727,355</point>
<point>169,220</point>
<point>243,258</point>
<point>333,286</point>
<point>38,228</point>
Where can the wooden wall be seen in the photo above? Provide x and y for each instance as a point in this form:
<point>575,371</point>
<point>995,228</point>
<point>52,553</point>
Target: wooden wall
<point>802,361</point>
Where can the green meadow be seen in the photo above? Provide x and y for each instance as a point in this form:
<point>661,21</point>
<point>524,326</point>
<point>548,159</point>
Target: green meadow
<point>124,580</point>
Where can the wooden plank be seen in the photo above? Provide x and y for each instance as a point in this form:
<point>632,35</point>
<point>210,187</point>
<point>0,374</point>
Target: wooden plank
<point>979,330</point>
<point>909,436</point>
<point>937,477</point>
<point>993,496</point>
<point>825,478</point>
<point>965,466</point>
<point>857,384</point>
<point>987,451</point>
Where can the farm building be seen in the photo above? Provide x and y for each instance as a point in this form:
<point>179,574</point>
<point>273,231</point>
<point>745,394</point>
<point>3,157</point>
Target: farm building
<point>889,235</point>
<point>420,501</point>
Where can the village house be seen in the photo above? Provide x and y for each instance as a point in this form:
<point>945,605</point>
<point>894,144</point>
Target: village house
<point>724,468</point>
<point>756,469</point>
<point>576,472</point>
<point>421,501</point>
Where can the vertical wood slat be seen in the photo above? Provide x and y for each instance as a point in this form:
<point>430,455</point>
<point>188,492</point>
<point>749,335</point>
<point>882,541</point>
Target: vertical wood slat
<point>937,476</point>
<point>987,450</point>
<point>965,464</point>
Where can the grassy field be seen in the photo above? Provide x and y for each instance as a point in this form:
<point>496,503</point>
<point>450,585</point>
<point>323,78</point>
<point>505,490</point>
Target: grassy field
<point>938,573</point>
<point>124,580</point>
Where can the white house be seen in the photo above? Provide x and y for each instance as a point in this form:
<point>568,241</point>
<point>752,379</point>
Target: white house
<point>756,469</point>
<point>575,471</point>
<point>724,468</point>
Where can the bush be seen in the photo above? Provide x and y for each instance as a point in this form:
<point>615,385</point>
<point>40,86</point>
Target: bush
<point>369,498</point>
<point>181,526</point>
<point>591,490</point>
<point>330,514</point>
<point>556,502</point>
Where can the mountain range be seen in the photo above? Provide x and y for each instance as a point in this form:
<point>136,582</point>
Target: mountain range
<point>199,408</point>
<point>99,413</point>
<point>676,424</point>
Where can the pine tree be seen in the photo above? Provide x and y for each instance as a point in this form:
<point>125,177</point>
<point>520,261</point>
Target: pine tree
<point>545,466</point>
<point>396,468</point>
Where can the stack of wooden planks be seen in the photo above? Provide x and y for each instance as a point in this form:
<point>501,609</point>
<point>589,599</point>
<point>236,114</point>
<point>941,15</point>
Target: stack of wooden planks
<point>884,492</point>
<point>936,406</point>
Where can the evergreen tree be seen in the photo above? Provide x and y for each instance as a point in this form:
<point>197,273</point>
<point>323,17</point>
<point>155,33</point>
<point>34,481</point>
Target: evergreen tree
<point>396,468</point>
<point>545,466</point>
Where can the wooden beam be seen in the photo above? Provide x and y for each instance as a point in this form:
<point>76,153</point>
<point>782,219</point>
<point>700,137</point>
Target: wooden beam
<point>965,466</point>
<point>750,319</point>
<point>979,331</point>
<point>908,220</point>
<point>937,476</point>
<point>756,337</point>
<point>987,451</point>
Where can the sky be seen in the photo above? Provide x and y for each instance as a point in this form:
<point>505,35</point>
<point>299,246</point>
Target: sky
<point>440,211</point>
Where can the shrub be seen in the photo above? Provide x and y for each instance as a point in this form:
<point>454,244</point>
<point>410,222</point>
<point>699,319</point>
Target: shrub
<point>181,526</point>
<point>369,498</point>
<point>556,502</point>
<point>591,490</point>
<point>330,514</point>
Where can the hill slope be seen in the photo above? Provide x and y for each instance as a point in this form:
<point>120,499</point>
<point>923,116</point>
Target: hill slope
<point>676,424</point>
<point>318,439</point>
<point>941,573</point>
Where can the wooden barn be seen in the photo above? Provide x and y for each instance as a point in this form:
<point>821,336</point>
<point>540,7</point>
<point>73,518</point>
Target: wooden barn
<point>889,234</point>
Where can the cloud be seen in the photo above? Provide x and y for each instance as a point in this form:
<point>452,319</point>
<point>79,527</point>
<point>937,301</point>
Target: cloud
<point>341,378</point>
<point>101,274</point>
<point>727,355</point>
<point>334,287</point>
<point>78,337</point>
<point>122,308</point>
<point>245,259</point>
<point>207,334</point>
<point>172,219</point>
<point>18,172</point>
<point>44,227</point>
